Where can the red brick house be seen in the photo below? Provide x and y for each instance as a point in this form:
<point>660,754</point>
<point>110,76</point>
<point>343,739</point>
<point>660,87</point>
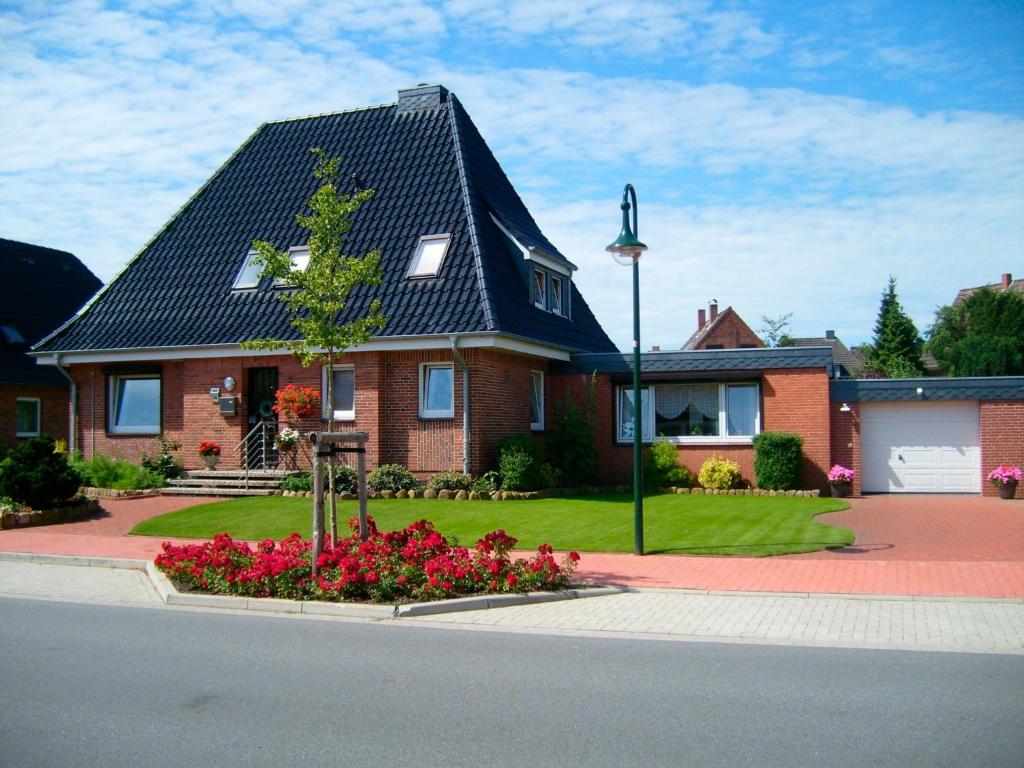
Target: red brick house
<point>486,331</point>
<point>41,288</point>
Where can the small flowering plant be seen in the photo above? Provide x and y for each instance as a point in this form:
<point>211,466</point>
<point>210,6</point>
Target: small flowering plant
<point>840,474</point>
<point>287,438</point>
<point>209,448</point>
<point>294,402</point>
<point>1004,475</point>
<point>415,563</point>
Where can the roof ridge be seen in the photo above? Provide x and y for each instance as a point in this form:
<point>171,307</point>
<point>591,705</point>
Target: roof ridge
<point>467,201</point>
<point>39,247</point>
<point>316,116</point>
<point>177,214</point>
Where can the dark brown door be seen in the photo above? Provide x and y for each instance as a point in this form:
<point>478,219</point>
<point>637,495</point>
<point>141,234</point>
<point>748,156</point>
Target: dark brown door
<point>262,394</point>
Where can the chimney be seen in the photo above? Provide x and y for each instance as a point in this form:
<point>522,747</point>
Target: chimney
<point>655,348</point>
<point>830,335</point>
<point>421,97</point>
<point>1007,279</point>
<point>712,310</point>
<point>701,320</point>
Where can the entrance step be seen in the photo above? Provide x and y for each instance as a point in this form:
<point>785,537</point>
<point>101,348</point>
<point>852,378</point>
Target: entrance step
<point>234,474</point>
<point>209,490</point>
<point>223,482</point>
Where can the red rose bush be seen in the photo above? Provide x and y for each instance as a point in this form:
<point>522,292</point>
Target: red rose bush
<point>413,564</point>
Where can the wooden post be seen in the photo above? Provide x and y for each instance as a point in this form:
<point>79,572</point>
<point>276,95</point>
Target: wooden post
<point>364,531</point>
<point>318,501</point>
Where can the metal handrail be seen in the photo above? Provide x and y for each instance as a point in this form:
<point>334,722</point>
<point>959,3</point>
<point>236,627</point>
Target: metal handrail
<point>258,458</point>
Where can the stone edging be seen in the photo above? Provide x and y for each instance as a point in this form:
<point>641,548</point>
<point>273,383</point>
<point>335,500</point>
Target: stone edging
<point>114,493</point>
<point>49,516</point>
<point>172,596</point>
<point>553,493</point>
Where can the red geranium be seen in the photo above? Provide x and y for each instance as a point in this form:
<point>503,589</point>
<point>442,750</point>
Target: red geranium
<point>209,448</point>
<point>294,402</point>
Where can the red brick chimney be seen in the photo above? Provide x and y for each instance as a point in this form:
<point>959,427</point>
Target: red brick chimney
<point>712,311</point>
<point>701,320</point>
<point>1007,279</point>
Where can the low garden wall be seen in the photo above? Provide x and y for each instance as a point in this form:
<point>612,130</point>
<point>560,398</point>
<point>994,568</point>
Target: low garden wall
<point>114,493</point>
<point>71,511</point>
<point>554,493</point>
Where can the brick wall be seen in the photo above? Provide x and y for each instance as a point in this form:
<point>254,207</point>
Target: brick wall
<point>386,406</point>
<point>53,411</point>
<point>1002,439</point>
<point>791,401</point>
<point>846,441</point>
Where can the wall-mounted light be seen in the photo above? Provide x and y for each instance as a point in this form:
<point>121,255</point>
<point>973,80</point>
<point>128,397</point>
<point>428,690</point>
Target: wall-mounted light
<point>845,408</point>
<point>920,392</point>
<point>229,384</point>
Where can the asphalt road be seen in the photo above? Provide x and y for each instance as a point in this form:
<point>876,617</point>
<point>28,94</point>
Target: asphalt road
<point>89,685</point>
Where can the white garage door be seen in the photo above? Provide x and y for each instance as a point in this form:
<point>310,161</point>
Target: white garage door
<point>920,448</point>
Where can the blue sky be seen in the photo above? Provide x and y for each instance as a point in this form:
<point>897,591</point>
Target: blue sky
<point>788,157</point>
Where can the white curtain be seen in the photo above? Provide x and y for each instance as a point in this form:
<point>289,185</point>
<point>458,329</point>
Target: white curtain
<point>670,400</point>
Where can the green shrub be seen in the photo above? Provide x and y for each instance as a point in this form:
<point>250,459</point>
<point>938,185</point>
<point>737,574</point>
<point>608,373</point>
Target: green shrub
<point>300,483</point>
<point>35,475</point>
<point>570,443</point>
<point>450,481</point>
<point>777,461</point>
<point>488,482</point>
<point>661,469</point>
<point>550,476</point>
<point>720,473</point>
<point>392,477</point>
<point>164,463</point>
<point>105,472</point>
<point>519,462</point>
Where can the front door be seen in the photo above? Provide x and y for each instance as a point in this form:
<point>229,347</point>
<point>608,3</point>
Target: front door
<point>262,393</point>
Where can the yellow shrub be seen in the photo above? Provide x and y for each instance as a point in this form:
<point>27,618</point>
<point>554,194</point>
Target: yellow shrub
<point>719,473</point>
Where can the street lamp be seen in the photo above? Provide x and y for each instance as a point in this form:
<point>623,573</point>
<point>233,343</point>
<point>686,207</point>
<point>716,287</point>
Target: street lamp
<point>626,250</point>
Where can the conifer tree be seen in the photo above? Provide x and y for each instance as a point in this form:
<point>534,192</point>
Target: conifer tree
<point>895,350</point>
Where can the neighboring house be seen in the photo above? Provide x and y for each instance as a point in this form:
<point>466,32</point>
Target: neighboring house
<point>486,333</point>
<point>722,330</point>
<point>851,360</point>
<point>1006,283</point>
<point>478,302</point>
<point>42,288</point>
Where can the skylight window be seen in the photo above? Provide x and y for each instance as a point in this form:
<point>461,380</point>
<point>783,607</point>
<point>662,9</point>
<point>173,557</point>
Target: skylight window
<point>249,275</point>
<point>430,252</point>
<point>556,295</point>
<point>540,289</point>
<point>11,334</point>
<point>300,260</point>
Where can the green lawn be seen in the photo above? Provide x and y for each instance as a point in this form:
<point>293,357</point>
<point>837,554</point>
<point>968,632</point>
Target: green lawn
<point>682,524</point>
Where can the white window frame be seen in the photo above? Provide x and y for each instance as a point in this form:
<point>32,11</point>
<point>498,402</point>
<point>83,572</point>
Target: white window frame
<point>295,253</point>
<point>650,408</point>
<point>249,260</point>
<point>414,270</point>
<point>537,426</point>
<point>39,416</point>
<point>338,415</point>
<point>145,429</point>
<point>447,413</point>
<point>557,302</point>
<point>541,299</point>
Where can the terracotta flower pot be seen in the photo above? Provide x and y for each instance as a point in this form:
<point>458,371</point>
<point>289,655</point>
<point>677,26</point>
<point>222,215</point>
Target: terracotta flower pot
<point>1008,490</point>
<point>840,490</point>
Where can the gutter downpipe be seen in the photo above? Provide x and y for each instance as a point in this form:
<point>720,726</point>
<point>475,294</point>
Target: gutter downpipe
<point>454,339</point>
<point>73,420</point>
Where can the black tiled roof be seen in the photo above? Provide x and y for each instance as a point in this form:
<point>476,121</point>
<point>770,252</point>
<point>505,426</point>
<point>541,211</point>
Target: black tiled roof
<point>932,388</point>
<point>432,173</point>
<point>41,288</point>
<point>697,362</point>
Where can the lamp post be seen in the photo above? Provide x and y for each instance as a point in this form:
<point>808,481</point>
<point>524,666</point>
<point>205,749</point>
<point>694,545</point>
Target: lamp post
<point>626,250</point>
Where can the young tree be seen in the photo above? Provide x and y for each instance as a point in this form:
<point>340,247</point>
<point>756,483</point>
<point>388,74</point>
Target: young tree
<point>773,329</point>
<point>983,335</point>
<point>896,347</point>
<point>320,291</point>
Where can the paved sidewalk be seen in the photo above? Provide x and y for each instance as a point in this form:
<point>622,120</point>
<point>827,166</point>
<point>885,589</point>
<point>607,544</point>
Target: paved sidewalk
<point>953,546</point>
<point>911,624</point>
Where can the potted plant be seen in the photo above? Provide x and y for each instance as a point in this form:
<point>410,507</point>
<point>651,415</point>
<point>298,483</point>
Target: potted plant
<point>1005,479</point>
<point>841,480</point>
<point>210,451</point>
<point>294,402</point>
<point>287,439</point>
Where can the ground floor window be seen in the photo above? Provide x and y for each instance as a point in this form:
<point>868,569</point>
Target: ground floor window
<point>692,412</point>
<point>28,417</point>
<point>343,393</point>
<point>134,404</point>
<point>437,391</point>
<point>537,400</point>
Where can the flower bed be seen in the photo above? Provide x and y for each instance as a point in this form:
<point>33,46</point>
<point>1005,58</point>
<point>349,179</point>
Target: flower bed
<point>413,564</point>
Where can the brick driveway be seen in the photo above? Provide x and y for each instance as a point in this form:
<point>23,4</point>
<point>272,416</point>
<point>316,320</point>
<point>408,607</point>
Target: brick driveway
<point>958,546</point>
